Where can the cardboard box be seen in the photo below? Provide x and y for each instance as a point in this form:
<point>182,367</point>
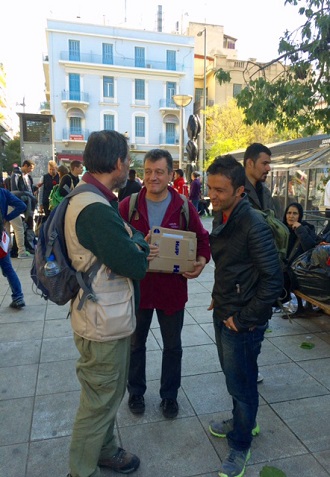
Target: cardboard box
<point>177,250</point>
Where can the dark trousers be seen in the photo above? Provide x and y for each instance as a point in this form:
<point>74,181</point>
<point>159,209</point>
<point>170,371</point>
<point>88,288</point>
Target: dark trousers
<point>238,354</point>
<point>170,328</point>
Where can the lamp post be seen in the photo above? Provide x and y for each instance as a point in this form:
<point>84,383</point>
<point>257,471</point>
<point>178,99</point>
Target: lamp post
<point>181,100</point>
<point>200,33</point>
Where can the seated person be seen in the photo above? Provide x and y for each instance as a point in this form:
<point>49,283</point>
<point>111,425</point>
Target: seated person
<point>302,238</point>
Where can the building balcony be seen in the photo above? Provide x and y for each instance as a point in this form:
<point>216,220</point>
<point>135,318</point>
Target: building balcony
<point>169,140</point>
<point>75,98</point>
<point>44,107</point>
<point>119,61</point>
<point>167,104</point>
<point>75,135</point>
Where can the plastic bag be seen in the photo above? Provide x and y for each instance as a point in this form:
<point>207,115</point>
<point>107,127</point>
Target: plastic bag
<point>312,273</point>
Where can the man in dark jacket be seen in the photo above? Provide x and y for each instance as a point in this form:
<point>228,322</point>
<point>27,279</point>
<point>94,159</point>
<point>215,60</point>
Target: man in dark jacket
<point>159,204</point>
<point>132,186</point>
<point>248,279</point>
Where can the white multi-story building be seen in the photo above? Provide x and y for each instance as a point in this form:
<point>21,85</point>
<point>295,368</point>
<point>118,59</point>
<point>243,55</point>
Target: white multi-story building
<point>105,77</point>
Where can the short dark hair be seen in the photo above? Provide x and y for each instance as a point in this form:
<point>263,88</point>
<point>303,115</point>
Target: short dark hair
<point>179,171</point>
<point>155,154</point>
<point>103,149</point>
<point>229,167</point>
<point>132,174</point>
<point>28,163</point>
<point>254,150</point>
<point>75,164</point>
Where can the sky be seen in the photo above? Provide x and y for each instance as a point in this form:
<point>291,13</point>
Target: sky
<point>257,25</point>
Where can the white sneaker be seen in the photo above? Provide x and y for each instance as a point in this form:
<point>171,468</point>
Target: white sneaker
<point>260,378</point>
<point>25,255</point>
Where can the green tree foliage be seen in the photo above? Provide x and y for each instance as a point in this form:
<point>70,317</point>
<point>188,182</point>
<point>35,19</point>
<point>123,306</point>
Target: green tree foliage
<point>226,130</point>
<point>299,98</point>
<point>12,155</point>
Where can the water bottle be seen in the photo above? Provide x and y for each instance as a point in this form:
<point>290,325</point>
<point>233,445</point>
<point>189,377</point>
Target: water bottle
<point>51,267</point>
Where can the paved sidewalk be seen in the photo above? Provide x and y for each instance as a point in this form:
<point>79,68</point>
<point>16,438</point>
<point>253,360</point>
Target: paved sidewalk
<point>39,394</point>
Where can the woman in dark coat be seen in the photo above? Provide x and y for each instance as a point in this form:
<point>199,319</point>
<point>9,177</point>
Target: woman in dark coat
<point>302,238</point>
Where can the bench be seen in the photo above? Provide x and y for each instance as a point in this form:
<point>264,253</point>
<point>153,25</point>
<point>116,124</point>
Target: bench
<point>324,306</point>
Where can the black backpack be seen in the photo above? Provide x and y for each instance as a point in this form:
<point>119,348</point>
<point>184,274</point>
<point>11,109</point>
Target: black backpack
<point>64,286</point>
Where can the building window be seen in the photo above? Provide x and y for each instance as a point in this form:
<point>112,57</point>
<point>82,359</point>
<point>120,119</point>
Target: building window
<point>108,87</point>
<point>107,54</point>
<point>198,94</point>
<point>237,88</point>
<point>170,91</point>
<point>109,122</point>
<point>75,127</point>
<point>74,87</point>
<point>74,50</point>
<point>140,57</point>
<point>170,133</point>
<point>139,89</point>
<point>140,126</point>
<point>171,60</point>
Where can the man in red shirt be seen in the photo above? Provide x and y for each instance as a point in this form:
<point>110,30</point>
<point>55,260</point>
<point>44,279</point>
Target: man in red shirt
<point>160,205</point>
<point>179,183</point>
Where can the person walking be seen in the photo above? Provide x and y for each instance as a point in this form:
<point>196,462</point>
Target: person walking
<point>94,230</point>
<point>76,169</point>
<point>247,280</point>
<point>195,189</point>
<point>16,206</point>
<point>159,204</point>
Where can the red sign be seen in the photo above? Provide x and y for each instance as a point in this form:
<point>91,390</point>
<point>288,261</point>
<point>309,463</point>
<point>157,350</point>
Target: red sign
<point>76,137</point>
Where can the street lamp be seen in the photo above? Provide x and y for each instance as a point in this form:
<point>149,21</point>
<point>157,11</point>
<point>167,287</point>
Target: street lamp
<point>181,100</point>
<point>200,33</point>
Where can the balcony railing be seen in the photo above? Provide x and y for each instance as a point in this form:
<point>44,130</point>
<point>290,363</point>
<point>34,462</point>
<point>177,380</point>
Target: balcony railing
<point>78,96</point>
<point>75,134</point>
<point>120,61</point>
<point>167,103</point>
<point>169,139</point>
<point>45,106</point>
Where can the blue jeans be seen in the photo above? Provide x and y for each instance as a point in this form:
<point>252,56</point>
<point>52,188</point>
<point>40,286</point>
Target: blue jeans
<point>170,328</point>
<point>11,275</point>
<point>238,354</point>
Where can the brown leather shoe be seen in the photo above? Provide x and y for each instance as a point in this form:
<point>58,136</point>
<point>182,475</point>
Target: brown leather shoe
<point>123,462</point>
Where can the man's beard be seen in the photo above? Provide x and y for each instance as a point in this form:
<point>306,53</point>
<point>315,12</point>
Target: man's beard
<point>120,183</point>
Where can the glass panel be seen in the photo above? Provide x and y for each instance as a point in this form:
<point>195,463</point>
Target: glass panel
<point>139,89</point>
<point>74,86</point>
<point>74,50</point>
<point>139,57</point>
<point>170,91</point>
<point>109,122</point>
<point>107,54</point>
<point>108,87</point>
<point>139,126</point>
<point>171,60</point>
<point>170,133</point>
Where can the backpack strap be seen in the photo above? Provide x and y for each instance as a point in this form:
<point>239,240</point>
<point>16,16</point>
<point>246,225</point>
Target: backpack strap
<point>132,205</point>
<point>184,211</point>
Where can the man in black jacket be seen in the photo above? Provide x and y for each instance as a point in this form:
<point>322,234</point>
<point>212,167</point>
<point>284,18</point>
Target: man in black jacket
<point>248,279</point>
<point>257,160</point>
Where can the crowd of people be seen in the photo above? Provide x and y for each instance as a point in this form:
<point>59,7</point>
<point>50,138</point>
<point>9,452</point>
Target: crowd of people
<point>111,332</point>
